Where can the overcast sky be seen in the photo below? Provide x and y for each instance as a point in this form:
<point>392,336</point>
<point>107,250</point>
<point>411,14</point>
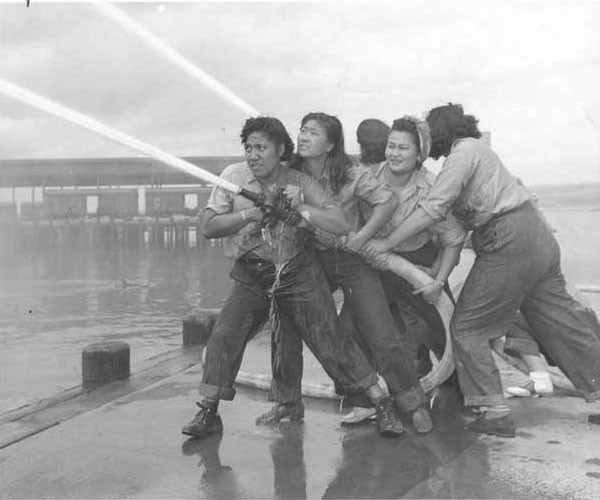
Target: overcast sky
<point>529,70</point>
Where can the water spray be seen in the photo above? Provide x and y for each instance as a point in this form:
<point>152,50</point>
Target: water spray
<point>174,57</point>
<point>26,96</point>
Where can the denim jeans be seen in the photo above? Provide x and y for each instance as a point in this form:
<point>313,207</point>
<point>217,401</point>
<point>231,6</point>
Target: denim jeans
<point>366,308</point>
<point>419,323</point>
<point>517,266</point>
<point>299,293</point>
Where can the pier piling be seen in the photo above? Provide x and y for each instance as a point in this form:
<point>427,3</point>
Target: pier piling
<point>105,362</point>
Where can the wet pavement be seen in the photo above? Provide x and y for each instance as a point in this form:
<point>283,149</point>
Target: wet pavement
<point>132,448</point>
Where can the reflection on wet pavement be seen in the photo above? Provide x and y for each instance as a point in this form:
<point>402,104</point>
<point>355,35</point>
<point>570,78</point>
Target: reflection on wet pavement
<point>217,480</point>
<point>414,466</point>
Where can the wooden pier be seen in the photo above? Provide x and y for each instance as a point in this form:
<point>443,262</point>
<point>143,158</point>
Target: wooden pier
<point>104,202</point>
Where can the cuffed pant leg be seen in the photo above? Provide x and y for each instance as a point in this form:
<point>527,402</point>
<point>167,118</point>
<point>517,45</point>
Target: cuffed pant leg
<point>567,330</point>
<point>244,312</point>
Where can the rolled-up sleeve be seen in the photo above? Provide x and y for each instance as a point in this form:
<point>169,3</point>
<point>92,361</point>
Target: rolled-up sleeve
<point>453,177</point>
<point>449,232</point>
<point>370,189</point>
<point>220,200</point>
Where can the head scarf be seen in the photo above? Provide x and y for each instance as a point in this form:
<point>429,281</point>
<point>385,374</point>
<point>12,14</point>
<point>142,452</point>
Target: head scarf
<point>424,137</point>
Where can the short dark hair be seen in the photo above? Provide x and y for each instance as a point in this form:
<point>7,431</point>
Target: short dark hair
<point>273,129</point>
<point>448,123</point>
<point>372,135</point>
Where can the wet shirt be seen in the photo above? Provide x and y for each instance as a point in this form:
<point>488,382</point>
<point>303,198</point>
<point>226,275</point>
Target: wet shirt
<point>474,184</point>
<point>277,244</point>
<point>361,187</point>
<point>447,232</point>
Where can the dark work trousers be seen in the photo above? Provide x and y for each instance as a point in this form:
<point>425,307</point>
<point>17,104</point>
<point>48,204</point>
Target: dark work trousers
<point>301,293</point>
<point>366,307</point>
<point>419,321</point>
<point>420,325</point>
<point>517,266</point>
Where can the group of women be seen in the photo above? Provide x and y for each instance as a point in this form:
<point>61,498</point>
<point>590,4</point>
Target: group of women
<point>392,204</point>
<point>517,265</point>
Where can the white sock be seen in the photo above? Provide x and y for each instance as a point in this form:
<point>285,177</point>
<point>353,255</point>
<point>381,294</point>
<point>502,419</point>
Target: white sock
<point>542,383</point>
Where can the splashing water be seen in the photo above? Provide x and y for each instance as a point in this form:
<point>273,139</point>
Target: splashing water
<point>274,311</point>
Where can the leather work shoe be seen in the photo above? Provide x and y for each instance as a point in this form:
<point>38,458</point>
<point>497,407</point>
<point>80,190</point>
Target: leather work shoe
<point>421,420</point>
<point>295,412</point>
<point>503,426</point>
<point>388,420</point>
<point>206,422</point>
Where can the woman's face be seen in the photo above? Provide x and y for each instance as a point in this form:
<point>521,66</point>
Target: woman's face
<point>401,152</point>
<point>312,140</point>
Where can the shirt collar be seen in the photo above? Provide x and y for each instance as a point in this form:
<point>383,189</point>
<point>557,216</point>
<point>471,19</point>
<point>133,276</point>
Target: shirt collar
<point>248,176</point>
<point>281,180</point>
<point>418,180</point>
<point>411,187</point>
<point>324,175</point>
<point>379,170</point>
<point>456,141</point>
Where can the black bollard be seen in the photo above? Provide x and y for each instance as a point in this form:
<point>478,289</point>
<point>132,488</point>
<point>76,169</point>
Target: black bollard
<point>197,329</point>
<point>105,362</point>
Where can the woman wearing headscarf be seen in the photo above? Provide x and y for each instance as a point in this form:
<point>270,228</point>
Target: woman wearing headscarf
<point>517,266</point>
<point>396,158</point>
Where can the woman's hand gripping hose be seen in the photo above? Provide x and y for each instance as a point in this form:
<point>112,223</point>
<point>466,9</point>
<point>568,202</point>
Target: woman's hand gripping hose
<point>276,208</point>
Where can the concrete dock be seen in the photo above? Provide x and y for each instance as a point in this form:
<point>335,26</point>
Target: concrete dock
<point>124,441</point>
